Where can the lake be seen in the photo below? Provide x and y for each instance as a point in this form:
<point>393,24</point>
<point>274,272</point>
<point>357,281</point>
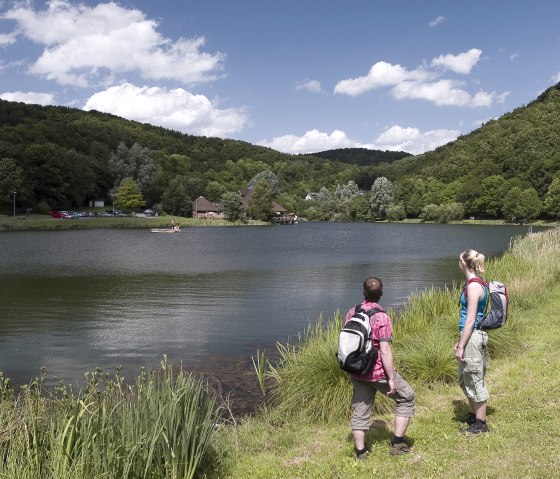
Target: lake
<point>75,300</point>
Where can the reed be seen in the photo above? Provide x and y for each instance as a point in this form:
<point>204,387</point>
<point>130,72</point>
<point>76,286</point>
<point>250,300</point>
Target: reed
<point>160,426</point>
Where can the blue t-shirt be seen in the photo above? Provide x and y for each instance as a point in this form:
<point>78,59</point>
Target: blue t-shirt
<point>479,310</point>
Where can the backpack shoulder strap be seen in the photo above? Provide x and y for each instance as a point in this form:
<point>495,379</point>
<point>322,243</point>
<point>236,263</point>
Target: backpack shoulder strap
<point>372,311</point>
<point>476,279</point>
<point>484,285</point>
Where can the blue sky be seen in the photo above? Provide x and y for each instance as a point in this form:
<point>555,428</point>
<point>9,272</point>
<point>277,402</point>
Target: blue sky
<point>296,75</point>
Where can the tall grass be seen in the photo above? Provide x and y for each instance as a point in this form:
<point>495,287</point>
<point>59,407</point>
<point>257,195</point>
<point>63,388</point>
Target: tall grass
<point>160,426</point>
<point>308,383</point>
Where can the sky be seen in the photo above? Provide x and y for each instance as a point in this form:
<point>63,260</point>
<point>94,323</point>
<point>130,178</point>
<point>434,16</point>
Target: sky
<point>298,76</point>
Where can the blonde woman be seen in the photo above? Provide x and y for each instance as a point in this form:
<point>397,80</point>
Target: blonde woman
<point>471,349</point>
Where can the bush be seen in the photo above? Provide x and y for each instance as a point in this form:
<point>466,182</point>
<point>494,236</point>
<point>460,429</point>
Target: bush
<point>43,208</point>
<point>396,213</point>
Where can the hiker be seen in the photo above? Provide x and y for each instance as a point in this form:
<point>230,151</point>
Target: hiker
<point>381,377</point>
<point>470,350</point>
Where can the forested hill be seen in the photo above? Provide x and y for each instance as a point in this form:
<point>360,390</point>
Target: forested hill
<point>522,148</point>
<point>361,156</point>
<point>65,154</point>
<point>509,167</point>
<point>60,157</point>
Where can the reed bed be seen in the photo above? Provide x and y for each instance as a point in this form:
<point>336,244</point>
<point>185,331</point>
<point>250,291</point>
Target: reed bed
<point>159,427</point>
<point>307,383</point>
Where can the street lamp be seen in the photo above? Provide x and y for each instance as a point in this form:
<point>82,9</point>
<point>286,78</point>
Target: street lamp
<point>15,192</point>
<point>113,201</point>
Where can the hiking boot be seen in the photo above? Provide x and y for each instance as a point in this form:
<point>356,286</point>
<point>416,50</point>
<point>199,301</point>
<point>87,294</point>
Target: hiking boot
<point>470,419</point>
<point>399,448</point>
<point>362,454</point>
<point>477,427</point>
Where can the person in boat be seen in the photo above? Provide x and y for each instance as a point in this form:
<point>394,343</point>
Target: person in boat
<point>173,224</point>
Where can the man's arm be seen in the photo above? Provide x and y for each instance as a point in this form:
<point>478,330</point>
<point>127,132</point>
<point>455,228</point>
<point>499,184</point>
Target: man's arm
<point>387,360</point>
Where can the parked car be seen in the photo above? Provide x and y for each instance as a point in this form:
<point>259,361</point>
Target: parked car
<point>58,214</point>
<point>149,212</point>
<point>71,215</point>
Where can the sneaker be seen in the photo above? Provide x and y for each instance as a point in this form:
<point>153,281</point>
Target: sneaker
<point>477,427</point>
<point>470,419</point>
<point>399,448</point>
<point>362,454</point>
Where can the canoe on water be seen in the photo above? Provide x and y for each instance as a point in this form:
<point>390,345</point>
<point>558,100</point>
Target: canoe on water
<point>165,230</point>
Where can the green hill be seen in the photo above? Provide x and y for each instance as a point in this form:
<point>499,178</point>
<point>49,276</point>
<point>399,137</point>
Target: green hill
<point>58,157</point>
<point>360,156</point>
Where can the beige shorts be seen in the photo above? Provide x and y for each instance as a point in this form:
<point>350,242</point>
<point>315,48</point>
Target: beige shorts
<point>364,396</point>
<point>472,371</point>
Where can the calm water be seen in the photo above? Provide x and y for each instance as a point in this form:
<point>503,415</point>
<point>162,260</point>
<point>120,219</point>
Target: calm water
<point>76,300</point>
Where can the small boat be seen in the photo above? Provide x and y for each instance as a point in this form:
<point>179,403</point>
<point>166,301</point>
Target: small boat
<point>166,230</point>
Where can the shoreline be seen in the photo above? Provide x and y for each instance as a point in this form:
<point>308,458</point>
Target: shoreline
<point>34,222</point>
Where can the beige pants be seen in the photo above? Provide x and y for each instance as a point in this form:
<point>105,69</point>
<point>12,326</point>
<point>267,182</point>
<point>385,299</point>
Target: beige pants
<point>472,371</point>
<point>364,396</point>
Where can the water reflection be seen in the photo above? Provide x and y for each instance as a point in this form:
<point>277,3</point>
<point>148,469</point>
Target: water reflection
<point>74,300</point>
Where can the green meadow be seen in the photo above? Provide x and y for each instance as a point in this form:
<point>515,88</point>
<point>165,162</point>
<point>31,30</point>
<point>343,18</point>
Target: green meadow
<point>166,425</point>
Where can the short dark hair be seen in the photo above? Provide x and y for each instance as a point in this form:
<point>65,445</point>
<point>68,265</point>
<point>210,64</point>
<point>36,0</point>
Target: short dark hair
<point>373,288</point>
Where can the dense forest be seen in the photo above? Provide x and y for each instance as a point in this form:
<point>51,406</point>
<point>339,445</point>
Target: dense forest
<point>58,157</point>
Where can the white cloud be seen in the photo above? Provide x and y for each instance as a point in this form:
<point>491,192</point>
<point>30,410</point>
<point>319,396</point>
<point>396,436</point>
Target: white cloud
<point>312,142</point>
<point>314,86</point>
<point>7,38</point>
<point>88,45</point>
<point>514,56</point>
<point>395,138</point>
<point>556,78</point>
<point>436,21</point>
<point>175,109</point>
<point>462,63</point>
<point>422,83</point>
<point>380,74</point>
<point>442,92</point>
<point>412,140</point>
<point>445,93</point>
<point>29,97</point>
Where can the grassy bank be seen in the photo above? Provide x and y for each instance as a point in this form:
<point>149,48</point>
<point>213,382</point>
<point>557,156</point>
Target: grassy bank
<point>303,432</point>
<point>45,222</point>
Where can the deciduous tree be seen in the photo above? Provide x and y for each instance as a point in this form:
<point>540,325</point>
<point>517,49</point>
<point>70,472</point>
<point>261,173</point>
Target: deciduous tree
<point>382,196</point>
<point>233,207</point>
<point>128,195</point>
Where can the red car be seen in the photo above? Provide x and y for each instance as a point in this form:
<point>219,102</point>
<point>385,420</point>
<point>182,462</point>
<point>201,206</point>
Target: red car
<point>58,214</point>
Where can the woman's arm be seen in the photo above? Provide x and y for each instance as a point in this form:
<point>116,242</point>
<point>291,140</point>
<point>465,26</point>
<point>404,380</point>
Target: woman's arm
<point>474,293</point>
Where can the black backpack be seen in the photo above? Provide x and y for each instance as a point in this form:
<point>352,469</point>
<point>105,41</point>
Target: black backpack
<point>356,353</point>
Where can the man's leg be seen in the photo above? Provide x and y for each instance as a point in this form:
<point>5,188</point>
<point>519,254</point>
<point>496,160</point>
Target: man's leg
<point>405,404</point>
<point>362,405</point>
<point>359,439</point>
<point>401,425</point>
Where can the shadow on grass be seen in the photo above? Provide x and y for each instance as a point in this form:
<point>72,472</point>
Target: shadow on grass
<point>461,409</point>
<point>379,433</point>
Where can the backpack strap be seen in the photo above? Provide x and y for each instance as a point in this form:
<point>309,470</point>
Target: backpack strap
<point>372,311</point>
<point>485,286</point>
<point>476,279</point>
